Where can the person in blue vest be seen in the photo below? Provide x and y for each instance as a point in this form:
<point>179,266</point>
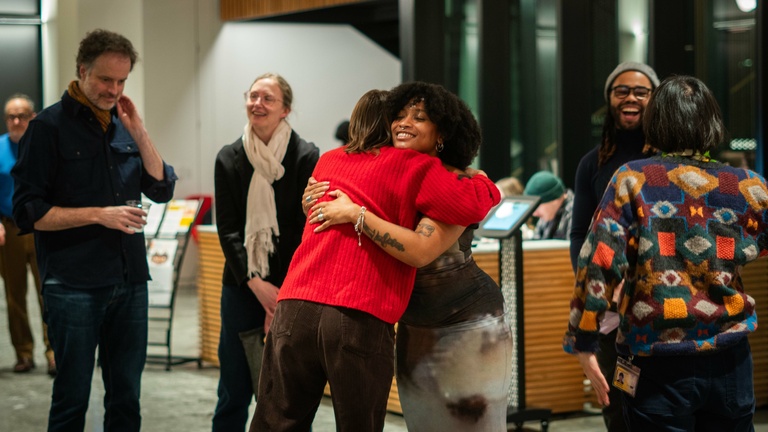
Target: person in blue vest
<point>17,256</point>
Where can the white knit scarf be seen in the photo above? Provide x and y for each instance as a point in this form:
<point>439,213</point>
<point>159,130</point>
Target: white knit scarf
<point>261,213</point>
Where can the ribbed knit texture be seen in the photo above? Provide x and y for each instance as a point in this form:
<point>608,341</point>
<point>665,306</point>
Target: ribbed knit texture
<point>681,229</point>
<point>397,185</point>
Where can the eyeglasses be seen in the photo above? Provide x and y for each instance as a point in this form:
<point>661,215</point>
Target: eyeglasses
<point>266,100</point>
<point>19,117</point>
<point>622,91</point>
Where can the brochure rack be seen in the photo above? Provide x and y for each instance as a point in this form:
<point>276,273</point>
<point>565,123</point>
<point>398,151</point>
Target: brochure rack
<point>167,233</point>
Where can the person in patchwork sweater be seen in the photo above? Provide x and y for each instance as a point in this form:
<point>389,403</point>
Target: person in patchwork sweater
<point>677,227</point>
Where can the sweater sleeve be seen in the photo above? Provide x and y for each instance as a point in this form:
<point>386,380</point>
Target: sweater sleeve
<point>601,272</point>
<point>445,197</point>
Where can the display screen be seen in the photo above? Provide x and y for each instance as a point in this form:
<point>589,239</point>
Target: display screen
<point>508,216</point>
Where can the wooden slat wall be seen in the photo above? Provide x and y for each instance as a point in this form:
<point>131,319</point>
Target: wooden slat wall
<point>234,10</point>
<point>209,295</point>
<point>553,379</point>
<point>755,279</point>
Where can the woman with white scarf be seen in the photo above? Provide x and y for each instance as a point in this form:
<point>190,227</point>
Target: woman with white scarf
<point>259,182</point>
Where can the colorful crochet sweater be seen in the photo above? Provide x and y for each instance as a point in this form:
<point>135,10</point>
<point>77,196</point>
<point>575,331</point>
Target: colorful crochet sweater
<point>678,230</point>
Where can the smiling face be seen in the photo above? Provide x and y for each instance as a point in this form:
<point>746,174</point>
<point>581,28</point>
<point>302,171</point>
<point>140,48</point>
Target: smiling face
<point>628,112</point>
<point>103,82</point>
<point>265,108</point>
<point>18,113</point>
<point>412,129</point>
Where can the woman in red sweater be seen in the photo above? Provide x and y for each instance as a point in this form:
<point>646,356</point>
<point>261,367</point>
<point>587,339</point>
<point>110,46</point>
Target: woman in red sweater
<point>338,305</point>
<point>455,318</point>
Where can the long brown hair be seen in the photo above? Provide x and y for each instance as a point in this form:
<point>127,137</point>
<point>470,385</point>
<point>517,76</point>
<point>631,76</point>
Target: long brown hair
<point>369,126</point>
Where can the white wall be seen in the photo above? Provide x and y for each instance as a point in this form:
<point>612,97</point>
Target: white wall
<point>193,70</point>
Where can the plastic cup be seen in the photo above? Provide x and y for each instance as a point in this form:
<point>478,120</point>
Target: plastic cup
<point>142,205</point>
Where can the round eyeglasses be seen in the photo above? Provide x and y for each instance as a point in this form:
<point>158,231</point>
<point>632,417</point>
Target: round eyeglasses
<point>19,117</point>
<point>266,99</point>
<point>622,91</point>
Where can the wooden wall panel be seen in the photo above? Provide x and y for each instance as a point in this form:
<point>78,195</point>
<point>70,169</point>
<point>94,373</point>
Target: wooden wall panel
<point>553,379</point>
<point>755,279</point>
<point>236,10</point>
<point>210,269</point>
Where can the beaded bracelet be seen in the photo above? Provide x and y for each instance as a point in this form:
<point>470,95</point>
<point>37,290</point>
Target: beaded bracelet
<point>359,225</point>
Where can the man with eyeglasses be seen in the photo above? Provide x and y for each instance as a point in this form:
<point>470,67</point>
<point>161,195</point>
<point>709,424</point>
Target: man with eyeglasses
<point>18,253</point>
<point>627,91</point>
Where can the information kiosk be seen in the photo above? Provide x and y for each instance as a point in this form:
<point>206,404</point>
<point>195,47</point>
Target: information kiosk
<point>504,222</point>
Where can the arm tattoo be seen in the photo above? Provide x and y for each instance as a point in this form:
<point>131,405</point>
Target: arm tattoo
<point>425,229</point>
<point>383,239</point>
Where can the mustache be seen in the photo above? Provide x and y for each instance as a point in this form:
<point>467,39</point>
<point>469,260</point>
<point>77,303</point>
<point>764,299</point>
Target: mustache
<point>631,104</point>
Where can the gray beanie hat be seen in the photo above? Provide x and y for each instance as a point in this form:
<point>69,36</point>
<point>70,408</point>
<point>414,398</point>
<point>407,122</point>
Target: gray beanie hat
<point>630,66</point>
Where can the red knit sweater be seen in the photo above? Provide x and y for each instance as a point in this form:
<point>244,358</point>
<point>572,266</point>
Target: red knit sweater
<point>397,185</point>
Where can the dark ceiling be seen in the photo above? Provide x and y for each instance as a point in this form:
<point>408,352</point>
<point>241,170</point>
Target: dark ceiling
<point>377,19</point>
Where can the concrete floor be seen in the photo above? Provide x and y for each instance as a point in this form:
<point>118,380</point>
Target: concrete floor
<point>182,399</point>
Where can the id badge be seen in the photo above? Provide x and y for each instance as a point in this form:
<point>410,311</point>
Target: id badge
<point>626,376</point>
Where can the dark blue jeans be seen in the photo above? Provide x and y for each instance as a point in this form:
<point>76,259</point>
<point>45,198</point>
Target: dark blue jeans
<point>112,319</point>
<point>694,393</point>
<point>240,312</point>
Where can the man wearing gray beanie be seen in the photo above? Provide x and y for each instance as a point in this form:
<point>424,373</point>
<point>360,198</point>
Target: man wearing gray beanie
<point>627,91</point>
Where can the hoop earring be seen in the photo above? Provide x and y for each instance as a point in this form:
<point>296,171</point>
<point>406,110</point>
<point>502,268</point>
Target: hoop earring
<point>439,147</point>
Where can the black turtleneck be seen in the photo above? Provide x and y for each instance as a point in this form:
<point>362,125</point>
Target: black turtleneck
<point>591,181</point>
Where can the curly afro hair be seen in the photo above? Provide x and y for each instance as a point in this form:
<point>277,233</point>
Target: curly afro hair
<point>453,118</point>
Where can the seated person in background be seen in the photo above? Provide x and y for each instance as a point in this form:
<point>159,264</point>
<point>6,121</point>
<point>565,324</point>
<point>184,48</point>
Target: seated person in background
<point>555,208</point>
<point>342,132</point>
<point>510,186</point>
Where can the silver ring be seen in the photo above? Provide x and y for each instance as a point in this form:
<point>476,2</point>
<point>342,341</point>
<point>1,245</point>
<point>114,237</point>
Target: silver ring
<point>320,216</point>
<point>308,198</point>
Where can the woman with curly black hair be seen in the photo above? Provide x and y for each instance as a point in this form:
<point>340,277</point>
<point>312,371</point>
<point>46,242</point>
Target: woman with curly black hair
<point>342,295</point>
<point>453,346</point>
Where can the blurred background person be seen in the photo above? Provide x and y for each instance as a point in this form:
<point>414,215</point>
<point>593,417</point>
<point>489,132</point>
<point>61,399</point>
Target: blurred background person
<point>555,207</point>
<point>627,91</point>
<point>18,257</point>
<point>510,186</point>
<point>342,132</point>
<point>259,180</point>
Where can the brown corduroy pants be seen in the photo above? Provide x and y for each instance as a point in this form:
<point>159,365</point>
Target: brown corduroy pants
<point>18,253</point>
